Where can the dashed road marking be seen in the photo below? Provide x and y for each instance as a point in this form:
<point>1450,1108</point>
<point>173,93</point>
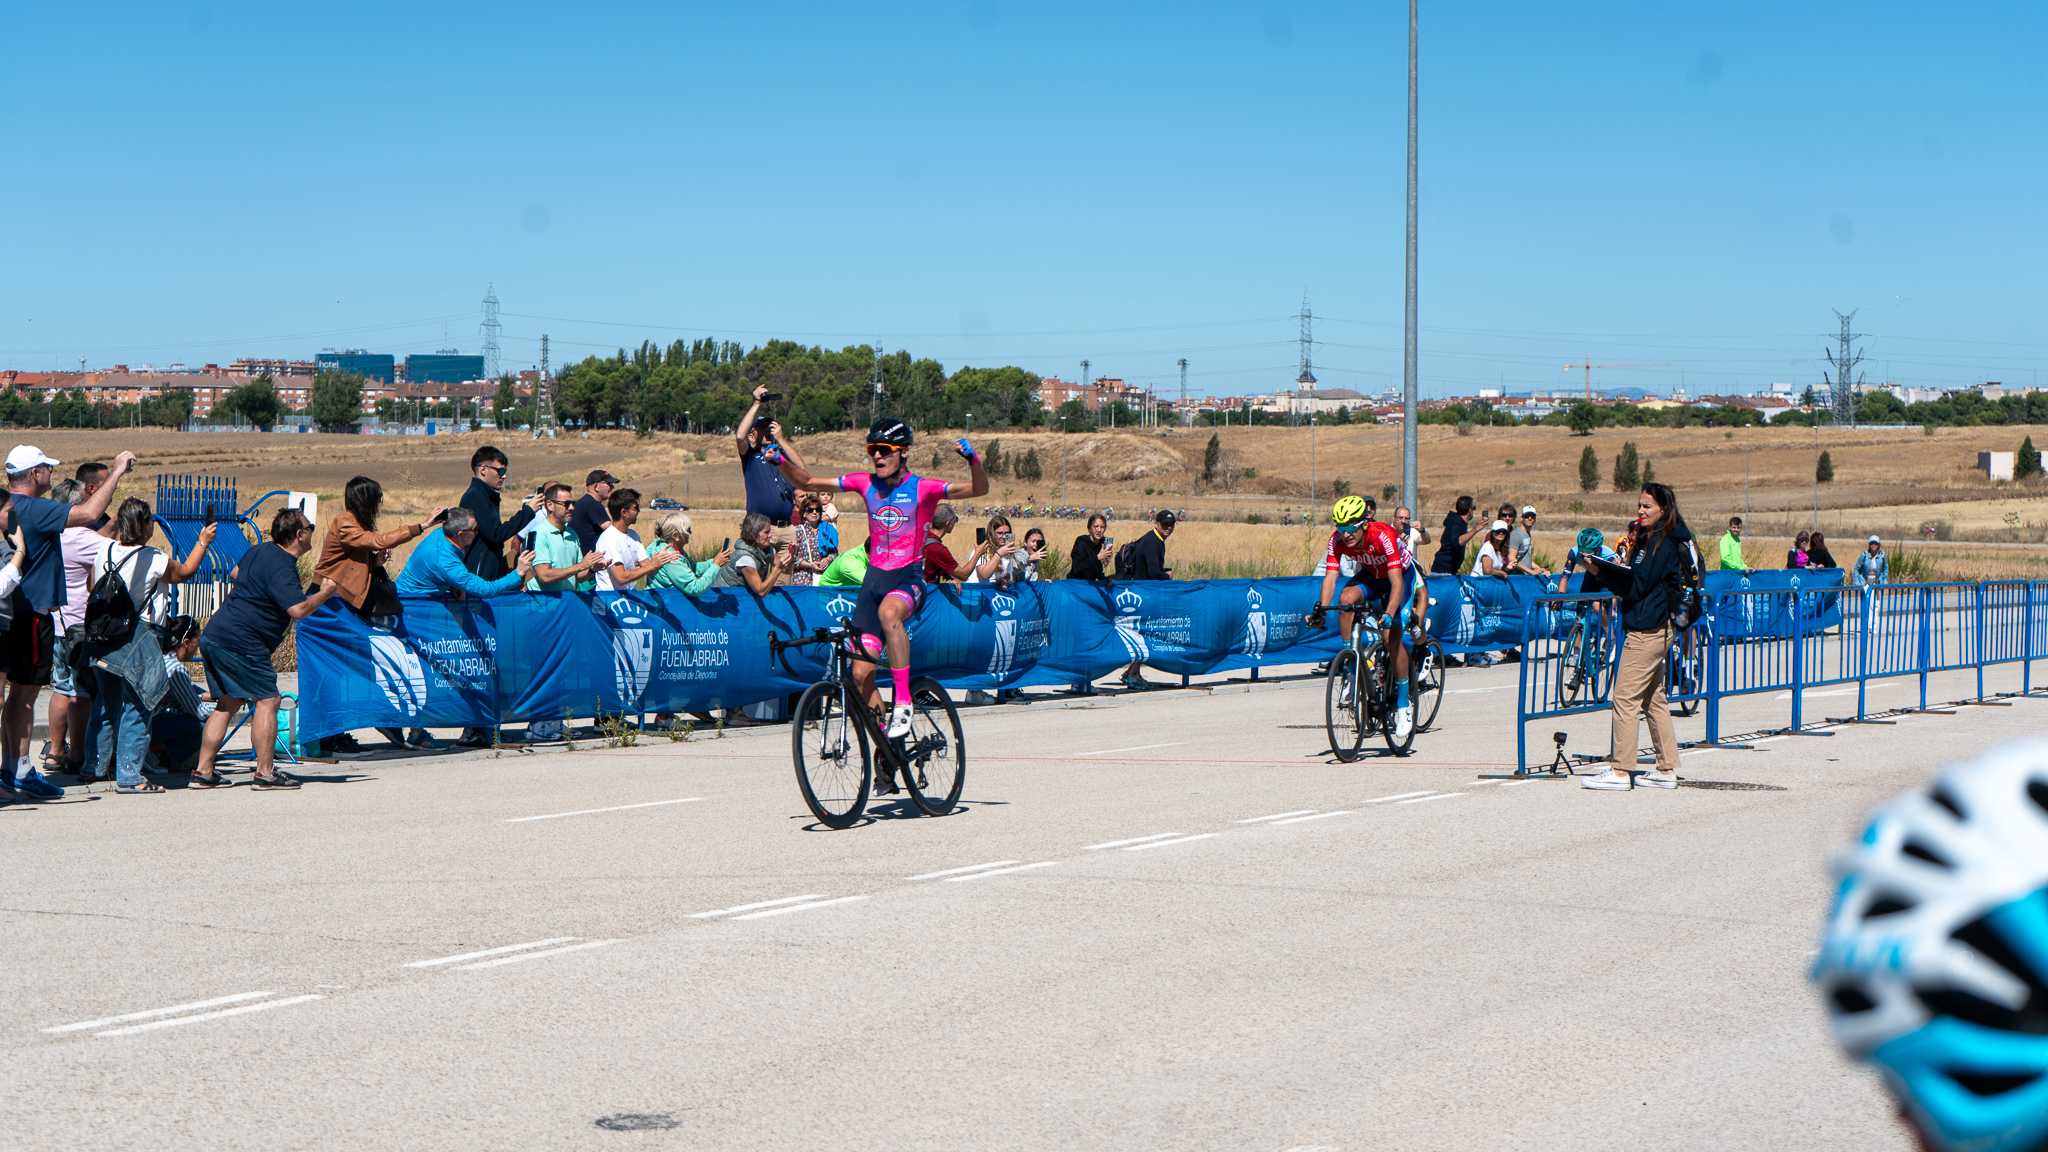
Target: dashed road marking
<point>957,871</point>
<point>1400,797</point>
<point>1427,799</point>
<point>999,872</point>
<point>1132,840</point>
<point>737,908</point>
<point>176,1021</point>
<point>595,811</point>
<point>1132,748</point>
<point>1169,843</point>
<point>787,908</point>
<point>1315,816</point>
<point>523,957</point>
<point>500,951</point>
<point>1276,816</point>
<point>147,1013</point>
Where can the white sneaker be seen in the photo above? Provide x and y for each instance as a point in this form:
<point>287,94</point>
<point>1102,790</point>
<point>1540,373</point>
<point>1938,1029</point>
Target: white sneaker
<point>1404,722</point>
<point>1608,781</point>
<point>899,722</point>
<point>1664,780</point>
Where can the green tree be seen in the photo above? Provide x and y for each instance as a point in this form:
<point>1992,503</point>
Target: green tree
<point>1583,418</point>
<point>1824,468</point>
<point>992,458</point>
<point>1589,470</point>
<point>2029,461</point>
<point>253,403</point>
<point>1340,487</point>
<point>1211,456</point>
<point>1627,469</point>
<point>337,402</point>
<point>1027,466</point>
<point>1649,472</point>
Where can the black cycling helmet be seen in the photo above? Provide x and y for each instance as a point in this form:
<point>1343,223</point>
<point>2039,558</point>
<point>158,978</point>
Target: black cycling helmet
<point>888,430</point>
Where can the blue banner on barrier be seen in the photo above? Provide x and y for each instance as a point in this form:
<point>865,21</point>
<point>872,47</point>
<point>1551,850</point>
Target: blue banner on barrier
<point>536,657</point>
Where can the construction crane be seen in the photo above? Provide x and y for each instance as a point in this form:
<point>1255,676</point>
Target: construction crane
<point>1588,366</point>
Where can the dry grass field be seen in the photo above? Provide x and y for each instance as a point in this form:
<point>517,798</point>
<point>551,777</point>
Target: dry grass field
<point>1903,484</point>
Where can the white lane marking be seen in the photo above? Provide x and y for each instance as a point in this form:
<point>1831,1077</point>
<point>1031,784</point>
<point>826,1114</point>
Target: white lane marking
<point>437,962</point>
<point>757,904</point>
<point>957,871</point>
<point>1132,748</point>
<point>1399,796</point>
<point>523,957</point>
<point>1306,819</point>
<point>1276,816</point>
<point>1427,799</point>
<point>1489,688</point>
<point>1168,843</point>
<point>1132,840</point>
<point>801,907</point>
<point>595,811</point>
<point>1000,871</point>
<point>264,1006</point>
<point>1516,783</point>
<point>1484,783</point>
<point>173,1010</point>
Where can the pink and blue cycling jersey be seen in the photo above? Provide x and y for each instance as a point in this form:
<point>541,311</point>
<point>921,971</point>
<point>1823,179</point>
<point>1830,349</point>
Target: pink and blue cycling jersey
<point>897,517</point>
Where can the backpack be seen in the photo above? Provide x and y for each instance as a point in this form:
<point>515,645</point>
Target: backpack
<point>110,612</point>
<point>1687,606</point>
<point>1127,561</point>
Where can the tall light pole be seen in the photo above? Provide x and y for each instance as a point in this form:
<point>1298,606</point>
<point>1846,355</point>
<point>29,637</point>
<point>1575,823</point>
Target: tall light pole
<point>1409,486</point>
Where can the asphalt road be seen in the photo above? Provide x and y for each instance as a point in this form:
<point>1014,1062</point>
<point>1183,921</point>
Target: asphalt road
<point>1160,921</point>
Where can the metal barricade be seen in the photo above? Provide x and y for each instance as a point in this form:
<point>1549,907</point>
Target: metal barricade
<point>1570,647</point>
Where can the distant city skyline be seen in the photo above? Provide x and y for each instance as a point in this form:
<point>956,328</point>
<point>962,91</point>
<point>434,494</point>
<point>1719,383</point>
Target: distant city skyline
<point>1684,199</point>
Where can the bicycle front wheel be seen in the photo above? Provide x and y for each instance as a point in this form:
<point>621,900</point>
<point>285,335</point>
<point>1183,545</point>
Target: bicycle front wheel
<point>1429,684</point>
<point>1383,685</point>
<point>936,749</point>
<point>833,765</point>
<point>1572,673</point>
<point>1688,673</point>
<point>1342,709</point>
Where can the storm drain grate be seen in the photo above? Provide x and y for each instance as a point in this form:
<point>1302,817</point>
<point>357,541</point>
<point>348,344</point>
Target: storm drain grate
<point>1729,785</point>
<point>638,1122</point>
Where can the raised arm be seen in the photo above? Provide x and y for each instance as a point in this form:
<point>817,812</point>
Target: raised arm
<point>739,436</point>
<point>183,570</point>
<point>800,477</point>
<point>88,511</point>
<point>788,449</point>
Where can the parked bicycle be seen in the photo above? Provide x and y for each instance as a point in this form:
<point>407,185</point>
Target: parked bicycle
<point>1685,682</point>
<point>1359,692</point>
<point>836,735</point>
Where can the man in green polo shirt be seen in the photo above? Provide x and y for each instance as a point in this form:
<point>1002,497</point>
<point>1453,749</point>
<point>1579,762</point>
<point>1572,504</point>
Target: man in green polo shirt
<point>847,569</point>
<point>559,562</point>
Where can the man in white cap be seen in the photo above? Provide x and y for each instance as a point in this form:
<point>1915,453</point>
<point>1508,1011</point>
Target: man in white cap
<point>1873,566</point>
<point>26,649</point>
<point>1522,547</point>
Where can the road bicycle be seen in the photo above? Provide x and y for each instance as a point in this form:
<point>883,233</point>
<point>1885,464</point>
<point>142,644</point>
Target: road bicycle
<point>1359,692</point>
<point>1584,663</point>
<point>1686,674</point>
<point>835,737</point>
<point>1428,692</point>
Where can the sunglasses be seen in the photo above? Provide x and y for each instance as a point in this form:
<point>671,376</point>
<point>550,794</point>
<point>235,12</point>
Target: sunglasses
<point>1351,529</point>
<point>883,450</point>
<point>500,469</point>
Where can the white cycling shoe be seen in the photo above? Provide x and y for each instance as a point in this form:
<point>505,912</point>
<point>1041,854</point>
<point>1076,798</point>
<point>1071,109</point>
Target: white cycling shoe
<point>1404,722</point>
<point>899,722</point>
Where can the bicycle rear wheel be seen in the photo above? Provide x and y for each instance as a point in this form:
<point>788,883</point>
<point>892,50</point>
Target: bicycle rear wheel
<point>936,749</point>
<point>1572,673</point>
<point>1429,684</point>
<point>1342,717</point>
<point>833,760</point>
<point>1688,673</point>
<point>1383,692</point>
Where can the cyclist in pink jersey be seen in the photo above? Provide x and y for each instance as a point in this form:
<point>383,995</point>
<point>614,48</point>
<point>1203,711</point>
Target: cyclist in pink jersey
<point>900,507</point>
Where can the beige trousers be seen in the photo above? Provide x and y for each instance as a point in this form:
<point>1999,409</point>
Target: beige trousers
<point>1639,686</point>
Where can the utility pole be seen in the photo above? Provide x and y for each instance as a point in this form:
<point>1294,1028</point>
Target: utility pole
<point>1844,380</point>
<point>875,379</point>
<point>544,397</point>
<point>1181,416</point>
<point>1410,491</point>
<point>490,332</point>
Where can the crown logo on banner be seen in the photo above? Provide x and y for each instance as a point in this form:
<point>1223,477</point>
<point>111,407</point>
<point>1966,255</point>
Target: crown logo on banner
<point>1253,600</point>
<point>1128,601</point>
<point>839,606</point>
<point>1003,605</point>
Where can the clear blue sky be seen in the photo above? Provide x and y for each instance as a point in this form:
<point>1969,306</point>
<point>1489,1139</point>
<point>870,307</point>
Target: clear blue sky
<point>1687,186</point>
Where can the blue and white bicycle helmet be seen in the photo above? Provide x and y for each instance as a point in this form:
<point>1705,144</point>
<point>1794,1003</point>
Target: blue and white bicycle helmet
<point>1588,541</point>
<point>1934,966</point>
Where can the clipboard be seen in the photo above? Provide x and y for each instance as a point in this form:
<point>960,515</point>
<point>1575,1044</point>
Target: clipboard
<point>1613,574</point>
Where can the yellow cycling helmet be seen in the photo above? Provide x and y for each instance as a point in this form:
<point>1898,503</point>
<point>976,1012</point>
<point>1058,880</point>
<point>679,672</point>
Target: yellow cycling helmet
<point>1348,510</point>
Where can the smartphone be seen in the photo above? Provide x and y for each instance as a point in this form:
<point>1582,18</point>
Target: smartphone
<point>981,535</point>
<point>727,546</point>
<point>1108,540</point>
<point>439,516</point>
<point>206,521</point>
<point>770,397</point>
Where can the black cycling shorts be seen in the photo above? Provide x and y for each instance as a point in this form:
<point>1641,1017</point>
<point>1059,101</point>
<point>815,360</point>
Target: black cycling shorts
<point>878,585</point>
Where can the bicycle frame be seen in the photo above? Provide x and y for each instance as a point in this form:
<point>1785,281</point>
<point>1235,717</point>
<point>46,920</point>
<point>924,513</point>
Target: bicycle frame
<point>839,673</point>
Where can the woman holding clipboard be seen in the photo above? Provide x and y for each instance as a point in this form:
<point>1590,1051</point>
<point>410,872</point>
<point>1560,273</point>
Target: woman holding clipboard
<point>1647,582</point>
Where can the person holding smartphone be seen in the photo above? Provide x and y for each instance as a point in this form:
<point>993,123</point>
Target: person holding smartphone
<point>1648,584</point>
<point>1092,550</point>
<point>759,441</point>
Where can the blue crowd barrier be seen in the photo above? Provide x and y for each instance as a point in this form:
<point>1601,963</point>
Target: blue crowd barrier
<point>1767,636</point>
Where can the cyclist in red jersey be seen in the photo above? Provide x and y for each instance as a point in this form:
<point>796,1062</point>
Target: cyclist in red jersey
<point>900,505</point>
<point>1380,576</point>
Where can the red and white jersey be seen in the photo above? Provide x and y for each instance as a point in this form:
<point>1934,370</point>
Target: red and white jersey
<point>1372,553</point>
